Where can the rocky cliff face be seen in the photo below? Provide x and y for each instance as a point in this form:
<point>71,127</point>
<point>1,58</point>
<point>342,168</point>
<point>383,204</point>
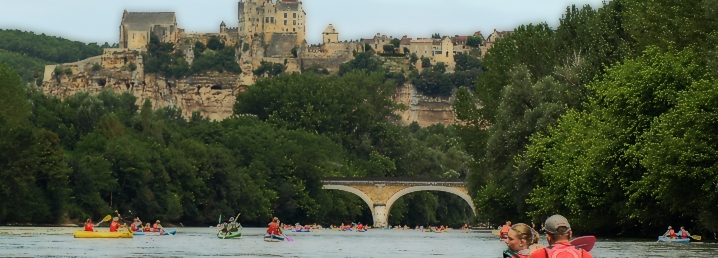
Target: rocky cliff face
<point>422,109</point>
<point>213,96</point>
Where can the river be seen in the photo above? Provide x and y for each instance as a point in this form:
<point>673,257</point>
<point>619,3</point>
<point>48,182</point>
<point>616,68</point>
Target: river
<point>192,242</point>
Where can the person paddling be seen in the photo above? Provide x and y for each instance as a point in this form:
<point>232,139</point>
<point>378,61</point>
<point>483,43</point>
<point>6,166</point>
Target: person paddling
<point>233,226</point>
<point>360,227</point>
<point>670,233</point>
<point>115,224</point>
<point>148,228</point>
<point>89,226</point>
<point>137,225</point>
<point>504,232</point>
<point>274,228</point>
<point>683,233</point>
<point>519,239</point>
<point>558,233</point>
<point>157,227</point>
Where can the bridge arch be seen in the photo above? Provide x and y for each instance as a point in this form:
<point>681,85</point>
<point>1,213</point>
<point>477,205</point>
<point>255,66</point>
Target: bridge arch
<point>381,193</point>
<point>447,189</point>
<point>355,191</point>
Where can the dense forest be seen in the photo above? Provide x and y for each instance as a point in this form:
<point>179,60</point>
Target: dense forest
<point>28,53</point>
<point>608,119</point>
<point>86,156</point>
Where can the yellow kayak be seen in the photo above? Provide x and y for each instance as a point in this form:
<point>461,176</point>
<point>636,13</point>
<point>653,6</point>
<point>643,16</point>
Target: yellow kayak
<point>88,234</point>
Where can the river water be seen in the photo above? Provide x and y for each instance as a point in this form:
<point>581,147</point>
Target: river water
<point>193,242</point>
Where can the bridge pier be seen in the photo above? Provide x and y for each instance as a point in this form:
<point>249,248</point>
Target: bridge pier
<point>381,193</point>
<point>381,215</point>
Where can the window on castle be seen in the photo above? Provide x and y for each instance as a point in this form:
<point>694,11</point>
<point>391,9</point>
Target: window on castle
<point>295,22</point>
<point>294,30</point>
<point>285,21</point>
<point>285,15</point>
<point>295,15</point>
<point>266,19</point>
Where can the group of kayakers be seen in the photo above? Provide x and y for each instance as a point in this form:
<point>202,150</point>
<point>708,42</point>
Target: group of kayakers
<point>299,227</point>
<point>231,226</point>
<point>136,226</point>
<point>682,234</point>
<point>522,240</point>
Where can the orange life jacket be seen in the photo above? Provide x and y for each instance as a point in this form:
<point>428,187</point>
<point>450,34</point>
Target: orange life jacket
<point>89,227</point>
<point>114,226</point>
<point>273,229</point>
<point>565,250</point>
<point>672,233</point>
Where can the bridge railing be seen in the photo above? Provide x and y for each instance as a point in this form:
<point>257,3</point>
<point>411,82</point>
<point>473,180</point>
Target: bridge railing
<point>393,181</point>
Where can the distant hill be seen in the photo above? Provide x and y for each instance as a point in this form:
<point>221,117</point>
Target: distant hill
<point>29,68</point>
<point>27,52</point>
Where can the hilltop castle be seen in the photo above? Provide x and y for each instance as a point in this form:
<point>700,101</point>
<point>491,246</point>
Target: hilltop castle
<point>267,31</point>
<point>265,17</point>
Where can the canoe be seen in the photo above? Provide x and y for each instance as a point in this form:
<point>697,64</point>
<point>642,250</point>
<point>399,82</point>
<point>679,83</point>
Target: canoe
<point>166,233</point>
<point>273,238</point>
<point>231,235</point>
<point>301,230</point>
<point>673,240</point>
<point>363,230</point>
<point>88,234</point>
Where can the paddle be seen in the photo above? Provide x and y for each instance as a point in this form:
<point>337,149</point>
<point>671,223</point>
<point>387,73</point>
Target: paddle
<point>697,238</point>
<point>289,239</point>
<point>105,219</point>
<point>584,242</point>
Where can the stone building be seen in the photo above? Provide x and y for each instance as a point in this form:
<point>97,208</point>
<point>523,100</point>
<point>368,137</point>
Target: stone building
<point>266,17</point>
<point>136,28</point>
<point>330,35</point>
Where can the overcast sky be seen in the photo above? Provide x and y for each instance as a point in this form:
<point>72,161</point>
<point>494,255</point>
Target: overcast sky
<point>99,20</point>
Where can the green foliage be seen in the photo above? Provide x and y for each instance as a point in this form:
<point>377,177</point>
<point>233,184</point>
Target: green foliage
<point>51,49</point>
<point>215,44</point>
<point>294,51</point>
<point>605,147</point>
<point>395,42</point>
<point>269,68</point>
<point>162,58</point>
<point>413,58</point>
<point>245,47</point>
<point>435,36</point>
<point>362,61</point>
<point>29,68</point>
<point>96,67</point>
<point>474,41</point>
<point>388,48</point>
<point>425,62</point>
<point>199,48</point>
<point>14,107</point>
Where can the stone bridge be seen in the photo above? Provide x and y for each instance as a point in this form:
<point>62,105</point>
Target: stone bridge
<point>381,193</point>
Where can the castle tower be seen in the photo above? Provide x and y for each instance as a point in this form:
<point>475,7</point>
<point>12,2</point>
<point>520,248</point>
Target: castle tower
<point>330,35</point>
<point>257,17</point>
<point>222,28</point>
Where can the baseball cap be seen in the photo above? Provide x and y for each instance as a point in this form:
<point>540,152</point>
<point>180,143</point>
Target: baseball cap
<point>554,222</point>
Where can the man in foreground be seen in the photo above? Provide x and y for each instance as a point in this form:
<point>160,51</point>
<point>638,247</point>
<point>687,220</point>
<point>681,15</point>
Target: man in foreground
<point>558,233</point>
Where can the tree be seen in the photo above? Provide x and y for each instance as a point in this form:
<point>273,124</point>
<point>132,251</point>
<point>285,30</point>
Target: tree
<point>435,36</point>
<point>395,42</point>
<point>363,61</point>
<point>199,48</point>
<point>474,41</point>
<point>215,44</point>
<point>425,62</point>
<point>413,58</point>
<point>294,51</point>
<point>388,48</point>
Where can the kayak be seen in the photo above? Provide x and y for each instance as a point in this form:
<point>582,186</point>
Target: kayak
<point>673,240</point>
<point>301,230</point>
<point>221,235</point>
<point>273,238</point>
<point>363,230</point>
<point>166,233</point>
<point>88,234</point>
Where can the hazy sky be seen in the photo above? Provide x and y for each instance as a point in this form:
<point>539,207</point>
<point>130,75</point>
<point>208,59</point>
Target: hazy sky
<point>99,20</point>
